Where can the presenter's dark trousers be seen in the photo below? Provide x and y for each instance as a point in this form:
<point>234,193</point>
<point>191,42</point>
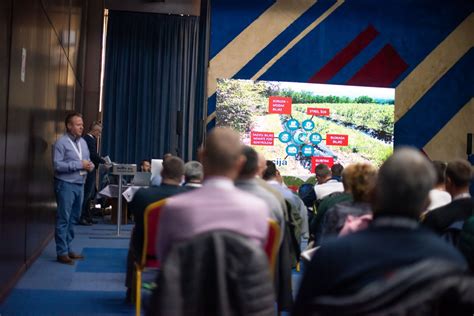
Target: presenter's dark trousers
<point>89,193</point>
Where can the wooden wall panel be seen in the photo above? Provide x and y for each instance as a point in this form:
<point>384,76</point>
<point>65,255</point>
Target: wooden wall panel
<point>5,33</point>
<point>38,84</point>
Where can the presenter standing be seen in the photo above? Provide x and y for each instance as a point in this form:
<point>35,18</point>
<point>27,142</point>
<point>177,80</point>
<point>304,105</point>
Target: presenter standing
<point>71,164</point>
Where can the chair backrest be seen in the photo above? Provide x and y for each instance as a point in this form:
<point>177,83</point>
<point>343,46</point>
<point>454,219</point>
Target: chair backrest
<point>273,242</point>
<point>151,221</point>
<point>215,273</point>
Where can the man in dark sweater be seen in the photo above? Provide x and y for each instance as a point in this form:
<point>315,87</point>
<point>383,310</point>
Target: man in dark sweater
<point>95,130</point>
<point>345,265</point>
<point>172,175</point>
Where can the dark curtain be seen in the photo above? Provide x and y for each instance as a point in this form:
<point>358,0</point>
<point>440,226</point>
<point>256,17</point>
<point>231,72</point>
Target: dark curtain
<point>203,66</point>
<point>150,86</point>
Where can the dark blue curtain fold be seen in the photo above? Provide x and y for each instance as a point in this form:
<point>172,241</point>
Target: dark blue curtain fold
<point>151,77</point>
<point>200,112</point>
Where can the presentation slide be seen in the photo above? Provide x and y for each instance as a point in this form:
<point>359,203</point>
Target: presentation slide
<point>300,125</point>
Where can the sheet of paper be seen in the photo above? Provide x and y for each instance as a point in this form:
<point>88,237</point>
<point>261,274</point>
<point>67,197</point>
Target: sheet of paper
<point>130,192</point>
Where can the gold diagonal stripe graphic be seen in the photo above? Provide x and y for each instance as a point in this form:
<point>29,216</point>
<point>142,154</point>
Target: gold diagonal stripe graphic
<point>298,38</point>
<point>434,67</point>
<point>254,38</point>
<point>281,53</point>
<point>210,117</point>
<point>450,142</point>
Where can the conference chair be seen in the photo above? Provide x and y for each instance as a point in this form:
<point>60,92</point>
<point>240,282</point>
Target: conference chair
<point>215,273</point>
<point>272,244</point>
<point>148,258</point>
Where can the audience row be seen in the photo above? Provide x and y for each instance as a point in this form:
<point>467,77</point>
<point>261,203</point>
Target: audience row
<point>377,239</point>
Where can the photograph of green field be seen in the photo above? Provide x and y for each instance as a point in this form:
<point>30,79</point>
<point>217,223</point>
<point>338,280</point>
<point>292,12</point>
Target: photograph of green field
<point>305,118</point>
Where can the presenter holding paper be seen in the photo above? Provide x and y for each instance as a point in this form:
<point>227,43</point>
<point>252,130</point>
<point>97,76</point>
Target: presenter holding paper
<point>71,162</point>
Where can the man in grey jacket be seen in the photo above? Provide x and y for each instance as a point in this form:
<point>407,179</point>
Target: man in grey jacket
<point>71,162</point>
<point>247,182</point>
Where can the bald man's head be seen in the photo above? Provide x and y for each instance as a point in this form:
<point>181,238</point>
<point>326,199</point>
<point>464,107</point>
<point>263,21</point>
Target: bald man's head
<point>403,184</point>
<point>222,154</point>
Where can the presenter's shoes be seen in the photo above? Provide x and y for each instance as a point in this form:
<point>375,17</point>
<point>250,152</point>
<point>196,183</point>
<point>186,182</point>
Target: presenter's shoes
<point>84,222</point>
<point>65,260</point>
<point>73,255</point>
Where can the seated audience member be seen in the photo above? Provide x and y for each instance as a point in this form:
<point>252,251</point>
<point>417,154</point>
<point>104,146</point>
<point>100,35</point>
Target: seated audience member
<point>361,180</point>
<point>172,175</point>
<point>296,205</point>
<point>307,195</point>
<point>328,202</point>
<point>156,179</point>
<point>218,205</point>
<point>287,252</point>
<point>193,174</point>
<point>325,185</point>
<point>336,172</point>
<point>145,166</point>
<point>215,273</point>
<point>247,182</point>
<point>262,167</point>
<point>394,240</point>
<point>438,195</point>
<point>458,175</point>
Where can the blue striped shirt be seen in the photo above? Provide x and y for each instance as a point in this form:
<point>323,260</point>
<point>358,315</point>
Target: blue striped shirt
<point>66,161</point>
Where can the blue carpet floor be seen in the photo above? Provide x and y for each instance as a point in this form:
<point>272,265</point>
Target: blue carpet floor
<point>108,260</point>
<point>93,286</point>
<point>59,302</point>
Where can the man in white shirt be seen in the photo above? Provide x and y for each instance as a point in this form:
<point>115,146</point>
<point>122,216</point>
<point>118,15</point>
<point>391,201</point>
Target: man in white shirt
<point>458,175</point>
<point>325,184</point>
<point>438,195</point>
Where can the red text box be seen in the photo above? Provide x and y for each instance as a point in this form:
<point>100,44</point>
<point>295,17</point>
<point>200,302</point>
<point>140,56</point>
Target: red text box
<point>337,140</point>
<point>317,111</point>
<point>279,105</point>
<point>329,161</point>
<point>261,138</point>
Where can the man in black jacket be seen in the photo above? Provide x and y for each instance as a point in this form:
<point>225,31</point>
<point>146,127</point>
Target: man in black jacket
<point>91,137</point>
<point>458,176</point>
<point>172,175</point>
<point>394,240</point>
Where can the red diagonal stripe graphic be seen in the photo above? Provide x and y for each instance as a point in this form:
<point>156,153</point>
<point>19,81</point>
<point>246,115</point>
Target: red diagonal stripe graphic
<point>381,70</point>
<point>345,55</point>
